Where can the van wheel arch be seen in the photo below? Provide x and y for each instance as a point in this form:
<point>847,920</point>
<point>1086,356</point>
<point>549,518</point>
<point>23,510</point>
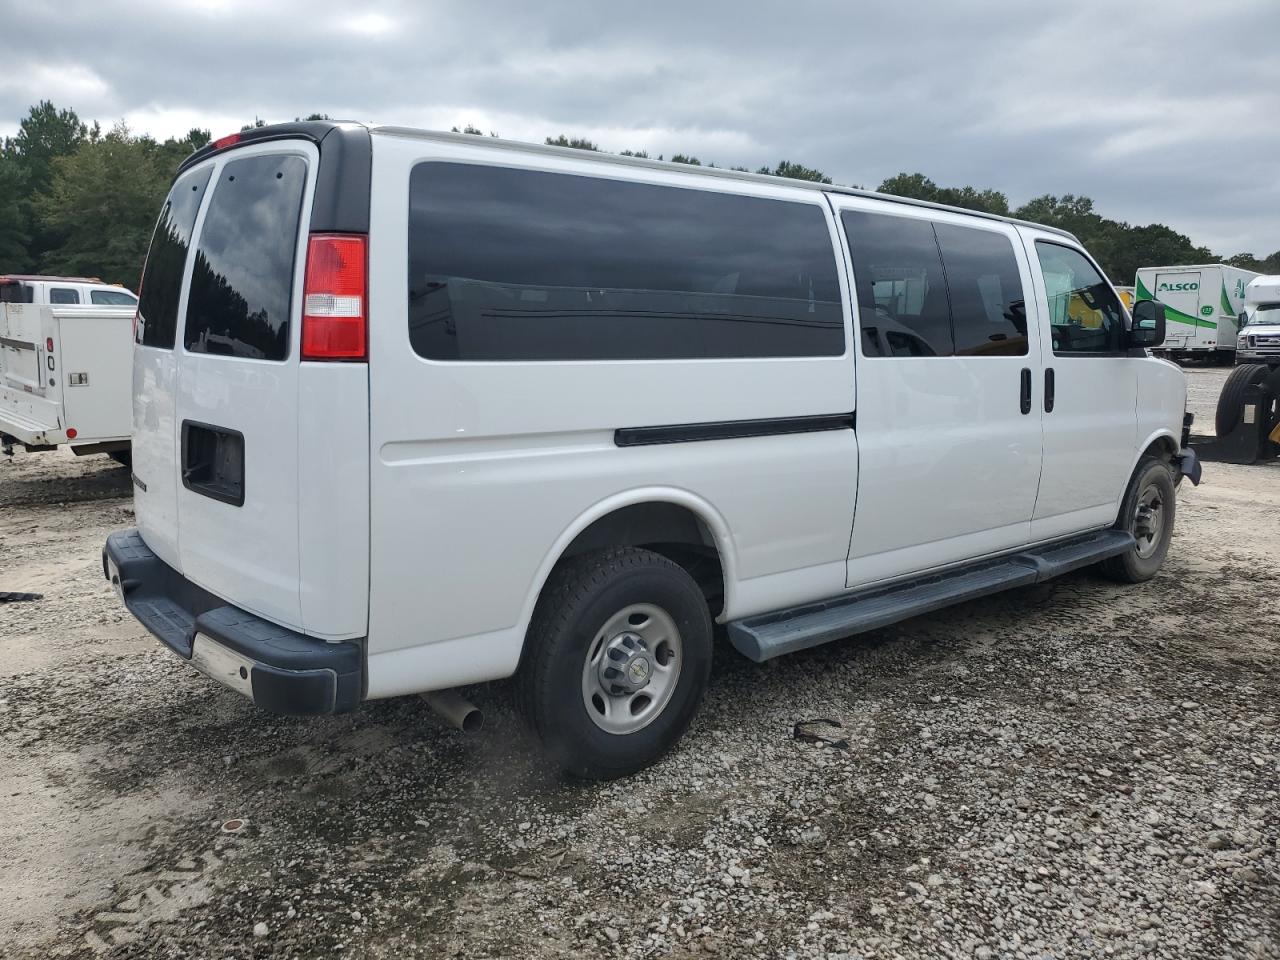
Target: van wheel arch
<point>670,529</point>
<point>1162,448</point>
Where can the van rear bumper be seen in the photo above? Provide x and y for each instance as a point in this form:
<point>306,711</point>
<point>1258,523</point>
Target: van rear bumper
<point>280,670</point>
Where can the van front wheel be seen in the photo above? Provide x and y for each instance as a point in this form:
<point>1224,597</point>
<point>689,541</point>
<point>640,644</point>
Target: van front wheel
<point>616,661</point>
<point>1147,513</point>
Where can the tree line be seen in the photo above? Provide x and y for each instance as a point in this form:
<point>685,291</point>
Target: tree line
<point>75,200</point>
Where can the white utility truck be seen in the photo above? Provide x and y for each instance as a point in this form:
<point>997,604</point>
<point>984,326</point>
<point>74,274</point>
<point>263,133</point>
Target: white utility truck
<point>1202,304</point>
<point>65,378</point>
<point>64,291</point>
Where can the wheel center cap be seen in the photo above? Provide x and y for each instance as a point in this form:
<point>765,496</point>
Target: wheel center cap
<point>627,666</point>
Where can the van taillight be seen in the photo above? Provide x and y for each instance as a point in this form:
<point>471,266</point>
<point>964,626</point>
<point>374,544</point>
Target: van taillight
<point>335,296</point>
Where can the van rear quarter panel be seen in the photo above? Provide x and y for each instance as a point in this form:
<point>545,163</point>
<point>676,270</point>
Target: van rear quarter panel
<point>481,472</point>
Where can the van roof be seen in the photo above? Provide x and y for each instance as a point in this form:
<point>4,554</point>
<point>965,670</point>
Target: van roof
<point>315,130</point>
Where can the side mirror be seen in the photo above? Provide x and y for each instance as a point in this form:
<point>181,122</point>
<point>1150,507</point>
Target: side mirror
<point>1241,319</point>
<point>1148,324</point>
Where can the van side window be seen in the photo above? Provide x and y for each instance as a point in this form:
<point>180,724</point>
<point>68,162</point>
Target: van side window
<point>162,275</point>
<point>1084,313</point>
<point>902,293</point>
<point>988,313</point>
<point>510,264</point>
<point>63,295</point>
<point>242,282</point>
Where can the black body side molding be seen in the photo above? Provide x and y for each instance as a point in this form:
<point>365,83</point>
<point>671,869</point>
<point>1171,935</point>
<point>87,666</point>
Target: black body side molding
<point>731,429</point>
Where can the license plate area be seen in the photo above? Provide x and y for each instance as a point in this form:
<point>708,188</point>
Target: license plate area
<point>213,462</point>
<point>226,666</point>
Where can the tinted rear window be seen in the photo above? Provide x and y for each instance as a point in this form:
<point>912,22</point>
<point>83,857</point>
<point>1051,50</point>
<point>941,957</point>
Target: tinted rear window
<point>242,282</point>
<point>63,295</point>
<point>11,292</point>
<point>112,298</point>
<point>524,265</point>
<point>162,277</point>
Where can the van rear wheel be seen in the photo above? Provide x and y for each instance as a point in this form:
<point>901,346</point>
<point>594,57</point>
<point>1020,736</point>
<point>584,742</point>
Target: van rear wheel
<point>616,661</point>
<point>1147,512</point>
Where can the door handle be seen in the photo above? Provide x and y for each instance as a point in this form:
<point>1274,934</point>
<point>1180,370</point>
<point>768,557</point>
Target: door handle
<point>1048,390</point>
<point>1026,390</point>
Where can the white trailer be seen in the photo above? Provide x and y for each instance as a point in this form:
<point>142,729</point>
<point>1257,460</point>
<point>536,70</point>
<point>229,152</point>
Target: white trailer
<point>1202,304</point>
<point>66,376</point>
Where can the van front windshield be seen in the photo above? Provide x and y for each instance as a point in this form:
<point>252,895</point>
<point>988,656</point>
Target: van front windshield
<point>1266,313</point>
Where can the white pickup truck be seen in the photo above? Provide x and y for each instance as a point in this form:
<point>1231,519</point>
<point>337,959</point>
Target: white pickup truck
<point>65,378</point>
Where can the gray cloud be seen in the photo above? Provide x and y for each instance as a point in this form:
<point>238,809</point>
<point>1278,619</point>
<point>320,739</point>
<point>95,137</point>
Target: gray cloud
<point>1160,112</point>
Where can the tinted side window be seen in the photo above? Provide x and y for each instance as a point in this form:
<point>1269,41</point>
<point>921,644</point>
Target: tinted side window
<point>63,295</point>
<point>1084,312</point>
<point>242,282</point>
<point>988,314</point>
<point>112,298</point>
<point>523,265</point>
<point>902,294</point>
<point>162,275</point>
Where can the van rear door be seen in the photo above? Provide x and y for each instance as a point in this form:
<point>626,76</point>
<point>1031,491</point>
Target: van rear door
<point>236,422</point>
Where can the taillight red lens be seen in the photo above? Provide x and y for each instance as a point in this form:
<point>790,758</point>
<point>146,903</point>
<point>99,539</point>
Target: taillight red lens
<point>335,297</point>
<point>48,344</point>
<point>230,140</point>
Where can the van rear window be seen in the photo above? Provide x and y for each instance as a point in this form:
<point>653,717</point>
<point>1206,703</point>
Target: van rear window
<point>242,282</point>
<point>508,264</point>
<point>13,292</point>
<point>167,258</point>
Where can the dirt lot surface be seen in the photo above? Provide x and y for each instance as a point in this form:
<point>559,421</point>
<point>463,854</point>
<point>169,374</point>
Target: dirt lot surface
<point>1072,770</point>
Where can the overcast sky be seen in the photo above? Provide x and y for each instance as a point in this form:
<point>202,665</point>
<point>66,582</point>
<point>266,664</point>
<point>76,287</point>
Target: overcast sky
<point>1161,110</point>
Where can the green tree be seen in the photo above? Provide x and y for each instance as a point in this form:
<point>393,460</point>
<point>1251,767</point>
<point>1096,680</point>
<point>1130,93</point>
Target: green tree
<point>578,143</point>
<point>641,154</point>
<point>796,171</point>
<point>1247,261</point>
<point>15,235</point>
<point>103,201</point>
<point>683,158</point>
<point>44,135</point>
<point>919,187</point>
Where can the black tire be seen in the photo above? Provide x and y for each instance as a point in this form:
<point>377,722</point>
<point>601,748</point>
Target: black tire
<point>577,602</point>
<point>1152,478</point>
<point>1231,400</point>
<point>122,457</point>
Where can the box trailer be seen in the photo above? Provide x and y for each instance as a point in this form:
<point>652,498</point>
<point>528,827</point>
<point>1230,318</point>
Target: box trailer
<point>1201,306</point>
<point>66,376</point>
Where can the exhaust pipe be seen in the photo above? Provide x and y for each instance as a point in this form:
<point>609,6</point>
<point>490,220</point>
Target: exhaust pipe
<point>455,709</point>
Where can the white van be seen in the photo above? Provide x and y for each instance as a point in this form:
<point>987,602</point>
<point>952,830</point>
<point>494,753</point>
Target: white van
<point>1202,304</point>
<point>64,291</point>
<point>418,410</point>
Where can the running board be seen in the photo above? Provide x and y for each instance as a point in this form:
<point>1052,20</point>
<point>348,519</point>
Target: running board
<point>770,635</point>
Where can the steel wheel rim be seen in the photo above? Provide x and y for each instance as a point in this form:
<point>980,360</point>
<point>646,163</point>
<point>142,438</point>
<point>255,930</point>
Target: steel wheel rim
<point>1148,520</point>
<point>631,668</point>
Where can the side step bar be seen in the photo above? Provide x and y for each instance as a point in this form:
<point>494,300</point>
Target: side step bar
<point>770,635</point>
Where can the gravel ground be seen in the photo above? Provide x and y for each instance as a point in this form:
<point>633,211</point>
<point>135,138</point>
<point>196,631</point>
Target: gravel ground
<point>1071,770</point>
